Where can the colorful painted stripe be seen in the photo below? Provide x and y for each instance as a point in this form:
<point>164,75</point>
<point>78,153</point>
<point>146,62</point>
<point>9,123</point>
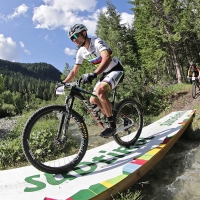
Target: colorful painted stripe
<point>97,60</point>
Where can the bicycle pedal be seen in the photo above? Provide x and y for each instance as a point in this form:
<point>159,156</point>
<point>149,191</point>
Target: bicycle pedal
<point>103,136</point>
<point>106,137</point>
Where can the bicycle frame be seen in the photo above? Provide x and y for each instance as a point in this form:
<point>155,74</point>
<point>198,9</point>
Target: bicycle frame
<point>195,79</point>
<point>76,92</point>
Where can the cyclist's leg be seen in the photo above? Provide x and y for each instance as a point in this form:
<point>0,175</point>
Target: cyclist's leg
<point>109,82</point>
<point>94,100</point>
<point>102,88</point>
<point>102,91</point>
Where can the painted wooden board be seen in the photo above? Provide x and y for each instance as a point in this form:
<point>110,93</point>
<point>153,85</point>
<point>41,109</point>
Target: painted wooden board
<point>104,171</point>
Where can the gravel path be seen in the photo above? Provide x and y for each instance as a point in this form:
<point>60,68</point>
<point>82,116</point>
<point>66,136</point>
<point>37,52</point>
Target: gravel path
<point>6,125</point>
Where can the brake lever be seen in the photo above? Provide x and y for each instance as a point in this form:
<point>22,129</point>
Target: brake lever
<point>79,81</point>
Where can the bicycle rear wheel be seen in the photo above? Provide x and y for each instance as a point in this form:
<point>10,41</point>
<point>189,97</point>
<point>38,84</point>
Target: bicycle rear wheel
<point>129,121</point>
<point>49,151</point>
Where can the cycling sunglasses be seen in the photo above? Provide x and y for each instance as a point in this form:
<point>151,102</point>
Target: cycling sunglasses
<point>75,36</point>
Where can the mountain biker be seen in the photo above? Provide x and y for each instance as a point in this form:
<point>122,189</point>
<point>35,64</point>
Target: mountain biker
<point>193,71</point>
<point>96,51</point>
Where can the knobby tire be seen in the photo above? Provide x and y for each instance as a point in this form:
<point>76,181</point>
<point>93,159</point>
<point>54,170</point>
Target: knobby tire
<point>44,150</point>
<point>194,90</point>
<point>128,112</point>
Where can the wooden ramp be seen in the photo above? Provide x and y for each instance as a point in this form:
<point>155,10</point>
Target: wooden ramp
<point>104,171</point>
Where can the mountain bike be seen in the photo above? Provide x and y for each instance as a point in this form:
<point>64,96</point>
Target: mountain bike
<point>195,86</point>
<point>55,137</point>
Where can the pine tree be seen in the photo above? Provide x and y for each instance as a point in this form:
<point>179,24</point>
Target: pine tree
<point>121,38</point>
<point>65,71</point>
<point>164,30</point>
<point>1,83</point>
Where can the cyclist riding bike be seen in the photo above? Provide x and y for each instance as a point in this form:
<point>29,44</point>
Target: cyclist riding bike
<point>193,71</point>
<point>96,51</point>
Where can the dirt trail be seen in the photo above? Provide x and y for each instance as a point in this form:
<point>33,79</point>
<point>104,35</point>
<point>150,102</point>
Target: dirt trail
<point>183,101</point>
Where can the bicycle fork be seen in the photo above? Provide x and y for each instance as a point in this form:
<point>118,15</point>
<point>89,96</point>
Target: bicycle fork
<point>61,136</point>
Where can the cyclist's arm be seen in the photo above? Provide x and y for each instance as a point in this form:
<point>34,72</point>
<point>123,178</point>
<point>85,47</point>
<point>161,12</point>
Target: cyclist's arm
<point>189,71</point>
<point>106,60</point>
<point>198,72</point>
<point>72,73</point>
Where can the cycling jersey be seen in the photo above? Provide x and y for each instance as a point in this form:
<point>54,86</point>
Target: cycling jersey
<point>194,70</point>
<point>93,53</point>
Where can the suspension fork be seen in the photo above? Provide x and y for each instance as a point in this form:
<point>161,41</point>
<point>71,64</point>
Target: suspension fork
<point>65,118</point>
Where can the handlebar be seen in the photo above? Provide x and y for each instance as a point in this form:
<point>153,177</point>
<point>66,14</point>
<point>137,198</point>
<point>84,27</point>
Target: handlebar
<point>75,83</point>
<point>192,77</point>
<point>60,90</point>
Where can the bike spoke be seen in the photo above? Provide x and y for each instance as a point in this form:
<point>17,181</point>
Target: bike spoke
<point>52,145</point>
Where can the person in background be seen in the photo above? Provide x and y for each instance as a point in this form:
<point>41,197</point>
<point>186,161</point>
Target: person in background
<point>193,71</point>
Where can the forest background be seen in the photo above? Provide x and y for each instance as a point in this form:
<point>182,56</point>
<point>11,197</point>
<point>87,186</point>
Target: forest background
<point>155,52</point>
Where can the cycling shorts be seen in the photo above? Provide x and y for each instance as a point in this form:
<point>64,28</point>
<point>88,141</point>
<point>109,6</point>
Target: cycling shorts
<point>112,77</point>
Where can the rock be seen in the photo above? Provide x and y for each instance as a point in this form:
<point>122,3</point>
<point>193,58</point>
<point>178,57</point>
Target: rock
<point>6,125</point>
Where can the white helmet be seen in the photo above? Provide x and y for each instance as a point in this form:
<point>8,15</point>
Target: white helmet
<point>77,28</point>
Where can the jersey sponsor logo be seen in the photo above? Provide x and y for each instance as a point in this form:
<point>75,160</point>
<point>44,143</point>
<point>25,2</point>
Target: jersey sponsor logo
<point>119,76</point>
<point>100,42</point>
<point>91,56</point>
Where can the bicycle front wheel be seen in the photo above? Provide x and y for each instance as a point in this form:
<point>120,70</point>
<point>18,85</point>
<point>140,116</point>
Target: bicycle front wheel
<point>129,121</point>
<point>50,143</point>
<point>194,89</point>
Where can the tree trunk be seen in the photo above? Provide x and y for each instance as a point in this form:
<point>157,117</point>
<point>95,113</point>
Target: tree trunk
<point>171,45</point>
